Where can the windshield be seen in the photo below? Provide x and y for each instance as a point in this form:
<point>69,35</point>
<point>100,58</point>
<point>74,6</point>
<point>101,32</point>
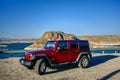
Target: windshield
<point>50,44</point>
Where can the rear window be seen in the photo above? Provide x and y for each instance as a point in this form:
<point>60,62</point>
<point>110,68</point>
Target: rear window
<point>74,44</point>
<point>84,45</point>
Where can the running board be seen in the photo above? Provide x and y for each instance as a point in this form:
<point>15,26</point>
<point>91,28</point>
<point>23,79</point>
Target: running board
<point>52,65</point>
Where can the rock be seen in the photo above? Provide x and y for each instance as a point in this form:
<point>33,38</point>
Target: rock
<point>52,35</point>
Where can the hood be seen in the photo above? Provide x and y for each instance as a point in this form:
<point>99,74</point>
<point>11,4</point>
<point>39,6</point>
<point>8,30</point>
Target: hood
<point>42,51</point>
<point>28,54</point>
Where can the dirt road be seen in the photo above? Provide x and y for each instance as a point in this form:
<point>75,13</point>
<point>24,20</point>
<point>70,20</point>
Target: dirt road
<point>103,67</point>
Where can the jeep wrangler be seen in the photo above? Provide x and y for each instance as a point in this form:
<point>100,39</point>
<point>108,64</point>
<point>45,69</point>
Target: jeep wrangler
<point>58,52</point>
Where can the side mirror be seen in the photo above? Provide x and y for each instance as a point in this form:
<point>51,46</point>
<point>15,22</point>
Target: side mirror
<point>58,48</point>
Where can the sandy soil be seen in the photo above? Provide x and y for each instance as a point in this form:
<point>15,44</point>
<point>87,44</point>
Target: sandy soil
<point>103,67</point>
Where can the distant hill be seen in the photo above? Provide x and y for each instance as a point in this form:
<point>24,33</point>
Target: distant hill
<point>105,39</point>
<point>7,40</point>
<point>100,40</point>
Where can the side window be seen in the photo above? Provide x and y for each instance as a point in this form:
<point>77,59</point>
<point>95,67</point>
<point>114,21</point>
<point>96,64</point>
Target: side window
<point>84,45</point>
<point>63,45</point>
<point>74,44</point>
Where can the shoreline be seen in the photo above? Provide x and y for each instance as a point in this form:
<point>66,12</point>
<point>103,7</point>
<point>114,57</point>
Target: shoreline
<point>16,42</point>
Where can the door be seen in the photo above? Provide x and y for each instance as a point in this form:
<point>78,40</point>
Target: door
<point>74,50</point>
<point>62,52</point>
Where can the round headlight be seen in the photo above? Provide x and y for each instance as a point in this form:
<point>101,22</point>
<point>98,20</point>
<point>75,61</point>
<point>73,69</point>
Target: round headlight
<point>32,56</point>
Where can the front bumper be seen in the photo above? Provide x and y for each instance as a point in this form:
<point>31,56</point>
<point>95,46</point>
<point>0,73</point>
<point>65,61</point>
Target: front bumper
<point>26,63</point>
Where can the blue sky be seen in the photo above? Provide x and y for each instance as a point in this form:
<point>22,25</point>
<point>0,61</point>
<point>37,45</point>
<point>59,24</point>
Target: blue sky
<point>31,18</point>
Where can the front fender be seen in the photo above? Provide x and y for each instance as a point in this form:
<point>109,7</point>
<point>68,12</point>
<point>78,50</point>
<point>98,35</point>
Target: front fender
<point>45,57</point>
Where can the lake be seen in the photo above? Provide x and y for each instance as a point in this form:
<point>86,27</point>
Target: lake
<point>21,46</point>
<point>107,51</point>
<point>14,47</point>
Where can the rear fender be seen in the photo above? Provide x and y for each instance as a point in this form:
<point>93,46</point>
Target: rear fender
<point>83,53</point>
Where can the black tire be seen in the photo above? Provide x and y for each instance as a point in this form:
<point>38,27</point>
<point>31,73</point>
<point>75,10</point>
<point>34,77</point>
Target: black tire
<point>40,67</point>
<point>83,62</point>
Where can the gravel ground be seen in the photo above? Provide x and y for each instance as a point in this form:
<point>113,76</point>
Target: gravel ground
<point>102,67</point>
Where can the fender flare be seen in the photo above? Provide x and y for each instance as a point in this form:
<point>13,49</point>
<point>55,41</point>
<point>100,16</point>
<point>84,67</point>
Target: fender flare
<point>83,53</point>
<point>44,56</point>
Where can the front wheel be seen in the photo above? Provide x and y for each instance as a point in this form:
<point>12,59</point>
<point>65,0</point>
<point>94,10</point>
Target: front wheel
<point>40,67</point>
<point>83,62</point>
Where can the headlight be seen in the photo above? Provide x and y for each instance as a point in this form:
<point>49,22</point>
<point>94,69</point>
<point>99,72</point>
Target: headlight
<point>32,56</point>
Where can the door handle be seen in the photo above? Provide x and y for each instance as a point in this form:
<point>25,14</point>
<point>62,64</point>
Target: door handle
<point>76,50</point>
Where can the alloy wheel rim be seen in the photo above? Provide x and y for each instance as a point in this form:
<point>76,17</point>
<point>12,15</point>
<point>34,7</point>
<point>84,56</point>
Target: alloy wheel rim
<point>43,66</point>
<point>84,62</point>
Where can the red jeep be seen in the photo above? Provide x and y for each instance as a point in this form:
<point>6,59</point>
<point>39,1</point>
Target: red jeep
<point>58,52</point>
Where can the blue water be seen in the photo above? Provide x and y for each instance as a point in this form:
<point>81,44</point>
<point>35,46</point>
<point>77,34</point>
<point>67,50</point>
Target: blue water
<point>18,46</point>
<point>8,55</point>
<point>105,51</point>
<point>14,46</point>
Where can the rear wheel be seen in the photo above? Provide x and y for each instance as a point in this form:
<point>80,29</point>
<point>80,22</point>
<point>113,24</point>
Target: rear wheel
<point>40,67</point>
<point>83,62</point>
